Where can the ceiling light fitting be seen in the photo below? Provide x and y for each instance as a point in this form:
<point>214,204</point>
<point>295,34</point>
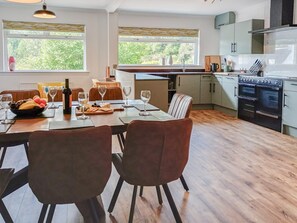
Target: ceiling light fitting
<point>44,13</point>
<point>25,1</point>
<point>212,1</point>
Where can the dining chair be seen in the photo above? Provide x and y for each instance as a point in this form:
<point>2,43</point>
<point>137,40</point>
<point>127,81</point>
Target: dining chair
<point>112,93</point>
<point>5,177</point>
<point>16,96</point>
<point>70,166</point>
<point>97,83</point>
<point>155,154</point>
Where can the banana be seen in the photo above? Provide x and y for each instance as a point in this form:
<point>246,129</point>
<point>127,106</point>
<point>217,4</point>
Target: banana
<point>28,105</point>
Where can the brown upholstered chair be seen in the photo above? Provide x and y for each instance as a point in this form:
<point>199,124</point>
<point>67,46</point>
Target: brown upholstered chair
<point>112,93</point>
<point>70,166</point>
<point>59,95</point>
<point>5,177</point>
<point>16,96</point>
<point>153,156</point>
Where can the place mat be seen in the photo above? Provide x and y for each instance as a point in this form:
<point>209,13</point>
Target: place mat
<point>48,113</point>
<point>128,119</point>
<point>70,124</point>
<point>4,128</point>
<point>148,107</point>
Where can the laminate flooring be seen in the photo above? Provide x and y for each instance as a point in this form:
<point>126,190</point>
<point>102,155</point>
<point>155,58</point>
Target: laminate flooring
<point>237,172</point>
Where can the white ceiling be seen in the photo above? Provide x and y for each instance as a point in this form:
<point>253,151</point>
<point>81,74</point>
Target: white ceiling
<point>193,7</point>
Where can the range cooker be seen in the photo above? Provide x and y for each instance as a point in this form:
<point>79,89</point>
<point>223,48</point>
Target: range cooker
<point>260,101</point>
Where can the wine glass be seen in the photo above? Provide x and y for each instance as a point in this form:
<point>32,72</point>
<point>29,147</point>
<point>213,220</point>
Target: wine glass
<point>52,91</point>
<point>102,91</point>
<point>145,96</point>
<point>83,99</point>
<point>126,91</point>
<point>6,99</point>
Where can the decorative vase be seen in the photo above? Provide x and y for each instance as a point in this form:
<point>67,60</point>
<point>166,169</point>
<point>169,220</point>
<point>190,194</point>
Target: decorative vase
<point>11,62</point>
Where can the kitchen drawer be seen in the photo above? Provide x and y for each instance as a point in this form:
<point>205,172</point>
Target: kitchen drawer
<point>290,86</point>
<point>206,77</point>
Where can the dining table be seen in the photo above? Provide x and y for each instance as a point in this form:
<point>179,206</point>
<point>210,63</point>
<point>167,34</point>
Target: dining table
<point>53,119</point>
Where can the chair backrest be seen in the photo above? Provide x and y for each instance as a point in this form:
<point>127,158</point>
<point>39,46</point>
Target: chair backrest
<point>112,93</point>
<point>97,83</point>
<point>180,106</point>
<point>156,152</point>
<point>41,85</point>
<point>21,94</point>
<point>59,95</point>
<point>67,166</point>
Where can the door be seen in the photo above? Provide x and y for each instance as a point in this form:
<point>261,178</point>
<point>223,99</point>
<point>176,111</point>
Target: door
<point>229,92</point>
<point>189,85</point>
<point>205,89</point>
<point>290,108</point>
<point>217,91</point>
<point>226,39</point>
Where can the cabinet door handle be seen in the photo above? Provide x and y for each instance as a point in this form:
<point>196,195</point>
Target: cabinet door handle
<point>231,47</point>
<point>210,87</point>
<point>235,47</point>
<point>294,84</point>
<point>178,81</point>
<point>285,100</point>
<point>235,91</point>
<point>214,88</point>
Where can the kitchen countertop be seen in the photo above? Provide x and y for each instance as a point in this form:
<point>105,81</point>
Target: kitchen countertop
<point>148,77</point>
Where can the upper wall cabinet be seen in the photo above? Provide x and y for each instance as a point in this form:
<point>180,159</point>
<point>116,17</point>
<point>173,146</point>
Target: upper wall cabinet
<point>235,39</point>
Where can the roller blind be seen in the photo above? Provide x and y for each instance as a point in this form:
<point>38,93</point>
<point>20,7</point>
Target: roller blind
<point>140,31</point>
<point>36,26</point>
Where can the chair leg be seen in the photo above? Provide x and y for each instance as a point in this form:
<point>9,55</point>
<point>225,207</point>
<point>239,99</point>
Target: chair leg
<point>26,149</point>
<point>182,179</point>
<point>120,142</point>
<point>4,212</point>
<point>171,203</point>
<point>42,213</point>
<point>133,204</point>
<point>115,195</point>
<point>141,191</point>
<point>93,211</point>
<point>159,195</point>
<point>2,155</point>
<point>51,213</point>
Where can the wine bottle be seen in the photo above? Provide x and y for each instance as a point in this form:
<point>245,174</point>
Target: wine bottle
<point>67,98</point>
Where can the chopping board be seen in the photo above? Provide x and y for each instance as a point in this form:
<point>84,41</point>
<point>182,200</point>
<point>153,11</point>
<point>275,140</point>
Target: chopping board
<point>212,59</point>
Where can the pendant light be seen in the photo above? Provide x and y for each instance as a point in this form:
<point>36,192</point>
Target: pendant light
<point>25,1</point>
<point>44,13</point>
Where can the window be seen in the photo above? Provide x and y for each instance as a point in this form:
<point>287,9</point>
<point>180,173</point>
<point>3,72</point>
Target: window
<point>149,46</point>
<point>44,46</point>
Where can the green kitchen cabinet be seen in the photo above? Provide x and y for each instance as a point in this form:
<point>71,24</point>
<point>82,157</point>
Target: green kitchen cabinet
<point>217,82</point>
<point>189,85</point>
<point>206,89</point>
<point>236,39</point>
<point>290,104</point>
<point>229,92</point>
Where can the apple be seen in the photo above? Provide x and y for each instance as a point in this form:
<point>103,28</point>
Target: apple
<point>42,105</point>
<point>42,101</point>
<point>37,100</point>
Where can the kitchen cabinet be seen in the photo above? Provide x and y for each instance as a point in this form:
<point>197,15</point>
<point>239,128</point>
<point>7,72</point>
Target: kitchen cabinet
<point>206,89</point>
<point>235,39</point>
<point>189,85</point>
<point>290,104</point>
<point>217,82</point>
<point>229,92</point>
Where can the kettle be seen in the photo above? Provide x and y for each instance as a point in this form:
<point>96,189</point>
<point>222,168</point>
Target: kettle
<point>214,67</point>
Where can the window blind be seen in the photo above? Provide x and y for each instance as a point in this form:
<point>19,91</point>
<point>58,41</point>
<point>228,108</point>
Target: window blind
<point>36,26</point>
<point>141,31</point>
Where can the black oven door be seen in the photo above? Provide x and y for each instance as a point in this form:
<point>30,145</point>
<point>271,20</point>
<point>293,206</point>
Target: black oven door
<point>247,90</point>
<point>269,100</point>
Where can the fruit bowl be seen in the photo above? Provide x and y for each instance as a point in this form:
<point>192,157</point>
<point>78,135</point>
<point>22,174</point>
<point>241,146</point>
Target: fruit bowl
<point>28,112</point>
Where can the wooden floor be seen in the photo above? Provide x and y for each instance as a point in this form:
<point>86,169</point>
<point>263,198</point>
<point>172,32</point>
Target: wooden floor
<point>237,172</point>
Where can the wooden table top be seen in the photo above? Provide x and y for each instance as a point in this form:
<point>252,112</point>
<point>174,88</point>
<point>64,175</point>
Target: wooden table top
<point>24,126</point>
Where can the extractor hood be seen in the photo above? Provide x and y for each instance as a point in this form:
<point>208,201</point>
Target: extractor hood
<point>281,17</point>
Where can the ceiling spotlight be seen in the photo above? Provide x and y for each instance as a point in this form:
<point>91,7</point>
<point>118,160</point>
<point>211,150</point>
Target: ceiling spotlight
<point>25,1</point>
<point>44,13</point>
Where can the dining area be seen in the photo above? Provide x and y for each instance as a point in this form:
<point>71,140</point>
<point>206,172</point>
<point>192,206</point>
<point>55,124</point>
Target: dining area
<point>70,155</point>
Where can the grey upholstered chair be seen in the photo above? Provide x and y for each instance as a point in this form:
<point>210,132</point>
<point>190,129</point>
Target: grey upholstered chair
<point>153,156</point>
<point>70,166</point>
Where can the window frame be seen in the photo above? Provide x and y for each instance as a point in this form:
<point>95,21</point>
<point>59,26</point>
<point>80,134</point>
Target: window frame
<point>45,35</point>
<point>156,39</point>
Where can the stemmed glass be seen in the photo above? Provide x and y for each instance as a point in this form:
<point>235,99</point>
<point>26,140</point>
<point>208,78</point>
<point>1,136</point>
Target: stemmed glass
<point>52,91</point>
<point>102,91</point>
<point>6,99</point>
<point>126,91</point>
<point>45,90</point>
<point>83,99</point>
<point>145,96</point>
